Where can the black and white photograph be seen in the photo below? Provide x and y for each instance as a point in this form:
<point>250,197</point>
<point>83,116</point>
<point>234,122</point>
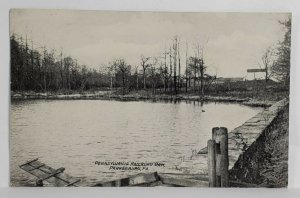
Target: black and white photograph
<point>149,98</point>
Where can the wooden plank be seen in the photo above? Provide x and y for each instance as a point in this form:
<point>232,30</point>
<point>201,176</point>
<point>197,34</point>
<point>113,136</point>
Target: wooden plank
<point>143,178</point>
<point>37,167</point>
<point>153,184</point>
<point>39,181</point>
<point>203,177</point>
<point>135,180</point>
<point>183,182</point>
<point>59,180</point>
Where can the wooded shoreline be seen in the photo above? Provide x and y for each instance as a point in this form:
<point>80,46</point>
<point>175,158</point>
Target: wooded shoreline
<point>107,95</point>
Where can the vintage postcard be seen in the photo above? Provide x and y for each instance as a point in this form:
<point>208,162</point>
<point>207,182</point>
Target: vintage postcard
<point>117,98</point>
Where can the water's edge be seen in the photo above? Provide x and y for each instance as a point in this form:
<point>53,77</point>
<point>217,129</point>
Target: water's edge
<point>139,97</point>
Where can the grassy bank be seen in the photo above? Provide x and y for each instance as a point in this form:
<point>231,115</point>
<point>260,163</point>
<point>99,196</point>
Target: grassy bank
<point>266,160</point>
<point>253,93</point>
<point>262,99</point>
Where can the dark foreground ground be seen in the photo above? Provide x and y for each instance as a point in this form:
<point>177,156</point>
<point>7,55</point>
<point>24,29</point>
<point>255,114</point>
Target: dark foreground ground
<point>266,161</point>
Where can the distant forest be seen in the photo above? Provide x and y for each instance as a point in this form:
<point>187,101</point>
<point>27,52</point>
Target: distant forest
<point>42,70</point>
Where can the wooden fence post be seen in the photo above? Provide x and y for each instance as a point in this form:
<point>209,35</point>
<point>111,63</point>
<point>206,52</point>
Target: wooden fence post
<point>220,135</point>
<point>211,152</point>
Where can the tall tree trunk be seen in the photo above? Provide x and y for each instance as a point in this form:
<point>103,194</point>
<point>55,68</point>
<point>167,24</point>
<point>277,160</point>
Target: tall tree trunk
<point>179,70</point>
<point>32,64</point>
<point>202,78</point>
<point>137,81</point>
<point>61,70</point>
<point>123,79</point>
<point>171,71</point>
<point>195,75</point>
<point>266,73</point>
<point>144,77</point>
<point>175,64</point>
<point>111,82</point>
<point>44,71</point>
<point>186,68</point>
<point>165,73</point>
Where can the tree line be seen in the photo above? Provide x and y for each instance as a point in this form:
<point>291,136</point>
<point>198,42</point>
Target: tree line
<point>276,59</point>
<point>41,69</point>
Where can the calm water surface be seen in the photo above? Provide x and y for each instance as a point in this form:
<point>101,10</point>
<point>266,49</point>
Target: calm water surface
<point>76,133</point>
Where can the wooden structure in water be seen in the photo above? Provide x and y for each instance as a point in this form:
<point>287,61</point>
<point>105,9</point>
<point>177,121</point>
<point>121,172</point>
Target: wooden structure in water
<point>57,177</point>
<point>218,174</point>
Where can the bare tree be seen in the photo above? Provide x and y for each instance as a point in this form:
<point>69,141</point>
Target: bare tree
<point>165,71</point>
<point>179,67</point>
<point>202,68</point>
<point>61,69</point>
<point>144,65</point>
<point>267,61</point>
<point>153,75</point>
<point>111,73</point>
<point>137,76</point>
<point>175,63</point>
<point>123,69</point>
<point>186,68</point>
<point>281,67</point>
<point>171,70</point>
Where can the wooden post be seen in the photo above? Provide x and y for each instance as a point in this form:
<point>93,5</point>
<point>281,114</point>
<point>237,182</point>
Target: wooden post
<point>220,135</point>
<point>211,151</point>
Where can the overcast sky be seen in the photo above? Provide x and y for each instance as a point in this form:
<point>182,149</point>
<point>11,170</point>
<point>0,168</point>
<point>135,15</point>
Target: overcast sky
<point>232,42</point>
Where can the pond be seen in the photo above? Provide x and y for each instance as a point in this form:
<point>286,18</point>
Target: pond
<point>76,133</point>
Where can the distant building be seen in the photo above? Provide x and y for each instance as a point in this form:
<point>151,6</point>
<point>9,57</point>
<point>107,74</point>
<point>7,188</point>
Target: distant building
<point>223,80</point>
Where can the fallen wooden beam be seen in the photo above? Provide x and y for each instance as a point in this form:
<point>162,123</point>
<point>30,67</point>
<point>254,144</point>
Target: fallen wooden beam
<point>181,182</point>
<point>152,184</point>
<point>40,181</point>
<point>136,180</point>
<point>203,177</point>
<point>48,174</point>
